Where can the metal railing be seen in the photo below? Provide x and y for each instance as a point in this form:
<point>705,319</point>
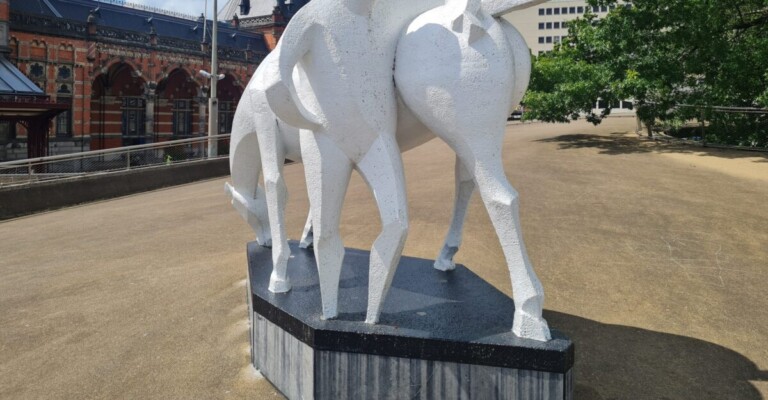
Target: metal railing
<point>741,128</point>
<point>76,165</point>
<point>156,10</point>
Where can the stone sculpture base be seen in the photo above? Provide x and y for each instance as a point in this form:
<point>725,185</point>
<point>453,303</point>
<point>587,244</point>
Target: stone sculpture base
<point>442,335</point>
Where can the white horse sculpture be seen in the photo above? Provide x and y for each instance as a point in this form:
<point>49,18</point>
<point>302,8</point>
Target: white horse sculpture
<point>458,71</point>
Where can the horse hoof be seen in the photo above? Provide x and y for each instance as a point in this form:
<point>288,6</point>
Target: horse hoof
<point>279,285</point>
<point>444,265</point>
<point>529,327</point>
<point>372,320</point>
<point>265,242</point>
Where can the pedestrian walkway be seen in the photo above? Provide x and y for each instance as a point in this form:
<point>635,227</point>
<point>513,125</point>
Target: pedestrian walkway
<point>654,260</point>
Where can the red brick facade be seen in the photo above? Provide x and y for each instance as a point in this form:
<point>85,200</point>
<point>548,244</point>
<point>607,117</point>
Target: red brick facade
<point>125,88</point>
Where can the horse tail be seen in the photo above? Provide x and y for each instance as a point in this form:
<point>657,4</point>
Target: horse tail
<point>248,198</point>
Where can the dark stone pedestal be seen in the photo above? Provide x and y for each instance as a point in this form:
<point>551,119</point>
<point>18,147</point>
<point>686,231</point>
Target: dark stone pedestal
<point>442,335</point>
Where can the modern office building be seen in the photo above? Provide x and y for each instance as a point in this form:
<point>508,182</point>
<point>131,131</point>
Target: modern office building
<point>547,24</point>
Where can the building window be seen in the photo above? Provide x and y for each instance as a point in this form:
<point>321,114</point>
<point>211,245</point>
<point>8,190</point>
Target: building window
<point>595,9</point>
<point>549,25</point>
<point>557,39</point>
<point>557,25</point>
<point>541,39</point>
<point>64,120</point>
<point>603,9</point>
<point>541,11</point>
<point>64,74</point>
<point>580,10</point>
<point>549,11</point>
<point>557,11</point>
<point>226,115</point>
<point>64,89</point>
<point>7,132</point>
<point>564,24</point>
<point>134,109</point>
<point>549,39</point>
<point>564,10</point>
<point>182,118</point>
<point>64,124</point>
<point>36,70</point>
<point>541,25</point>
<point>572,10</point>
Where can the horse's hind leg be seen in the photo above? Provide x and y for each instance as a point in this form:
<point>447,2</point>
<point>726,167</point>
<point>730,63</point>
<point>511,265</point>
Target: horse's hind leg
<point>501,201</point>
<point>272,160</point>
<point>327,170</point>
<point>382,170</point>
<point>306,235</point>
<point>465,186</point>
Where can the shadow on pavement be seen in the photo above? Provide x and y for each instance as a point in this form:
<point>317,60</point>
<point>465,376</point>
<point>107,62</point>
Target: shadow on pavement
<point>622,362</point>
<point>621,143</point>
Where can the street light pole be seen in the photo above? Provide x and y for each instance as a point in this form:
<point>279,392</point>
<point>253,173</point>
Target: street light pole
<point>213,102</point>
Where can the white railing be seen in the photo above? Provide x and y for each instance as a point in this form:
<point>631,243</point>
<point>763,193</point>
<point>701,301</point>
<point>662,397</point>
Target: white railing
<point>76,165</point>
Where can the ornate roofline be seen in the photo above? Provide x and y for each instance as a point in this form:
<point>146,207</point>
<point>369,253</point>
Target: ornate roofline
<point>61,27</point>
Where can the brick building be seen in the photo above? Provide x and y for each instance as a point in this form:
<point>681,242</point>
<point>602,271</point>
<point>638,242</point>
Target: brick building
<point>128,74</point>
<point>268,17</point>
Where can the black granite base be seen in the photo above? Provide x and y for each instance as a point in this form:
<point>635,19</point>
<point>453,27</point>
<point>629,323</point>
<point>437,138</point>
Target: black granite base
<point>452,321</point>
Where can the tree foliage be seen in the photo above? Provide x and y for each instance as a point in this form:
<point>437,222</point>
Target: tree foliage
<point>662,54</point>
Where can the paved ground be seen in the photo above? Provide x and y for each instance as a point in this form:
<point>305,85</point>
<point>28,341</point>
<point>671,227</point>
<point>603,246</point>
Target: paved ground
<point>654,259</point>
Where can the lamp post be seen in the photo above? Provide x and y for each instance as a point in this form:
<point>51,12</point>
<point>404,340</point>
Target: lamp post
<point>213,107</point>
<point>213,102</point>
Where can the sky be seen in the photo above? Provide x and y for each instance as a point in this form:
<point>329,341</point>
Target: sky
<point>191,7</point>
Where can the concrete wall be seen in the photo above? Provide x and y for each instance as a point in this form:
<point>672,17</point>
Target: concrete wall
<point>24,200</point>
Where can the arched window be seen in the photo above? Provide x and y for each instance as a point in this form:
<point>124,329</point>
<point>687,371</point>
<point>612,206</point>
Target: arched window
<point>64,120</point>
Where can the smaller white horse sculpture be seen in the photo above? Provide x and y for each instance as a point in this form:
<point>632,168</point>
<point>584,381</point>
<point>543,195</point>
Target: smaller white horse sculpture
<point>459,70</point>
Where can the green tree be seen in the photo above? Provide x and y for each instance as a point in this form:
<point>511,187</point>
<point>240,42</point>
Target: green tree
<point>661,54</point>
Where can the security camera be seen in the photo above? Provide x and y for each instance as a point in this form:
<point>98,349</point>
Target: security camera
<point>207,75</point>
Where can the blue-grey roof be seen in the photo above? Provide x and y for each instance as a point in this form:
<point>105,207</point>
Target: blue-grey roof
<point>13,82</point>
<point>260,8</point>
<point>132,19</point>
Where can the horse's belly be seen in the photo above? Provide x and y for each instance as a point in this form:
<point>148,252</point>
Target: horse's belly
<point>410,131</point>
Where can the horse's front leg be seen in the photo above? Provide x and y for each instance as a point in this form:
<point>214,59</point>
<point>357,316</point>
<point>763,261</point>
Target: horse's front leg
<point>465,187</point>
<point>382,170</point>
<point>327,170</point>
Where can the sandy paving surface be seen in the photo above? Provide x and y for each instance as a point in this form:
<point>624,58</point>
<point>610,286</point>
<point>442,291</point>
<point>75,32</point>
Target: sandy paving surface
<point>730,162</point>
<point>654,259</point>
